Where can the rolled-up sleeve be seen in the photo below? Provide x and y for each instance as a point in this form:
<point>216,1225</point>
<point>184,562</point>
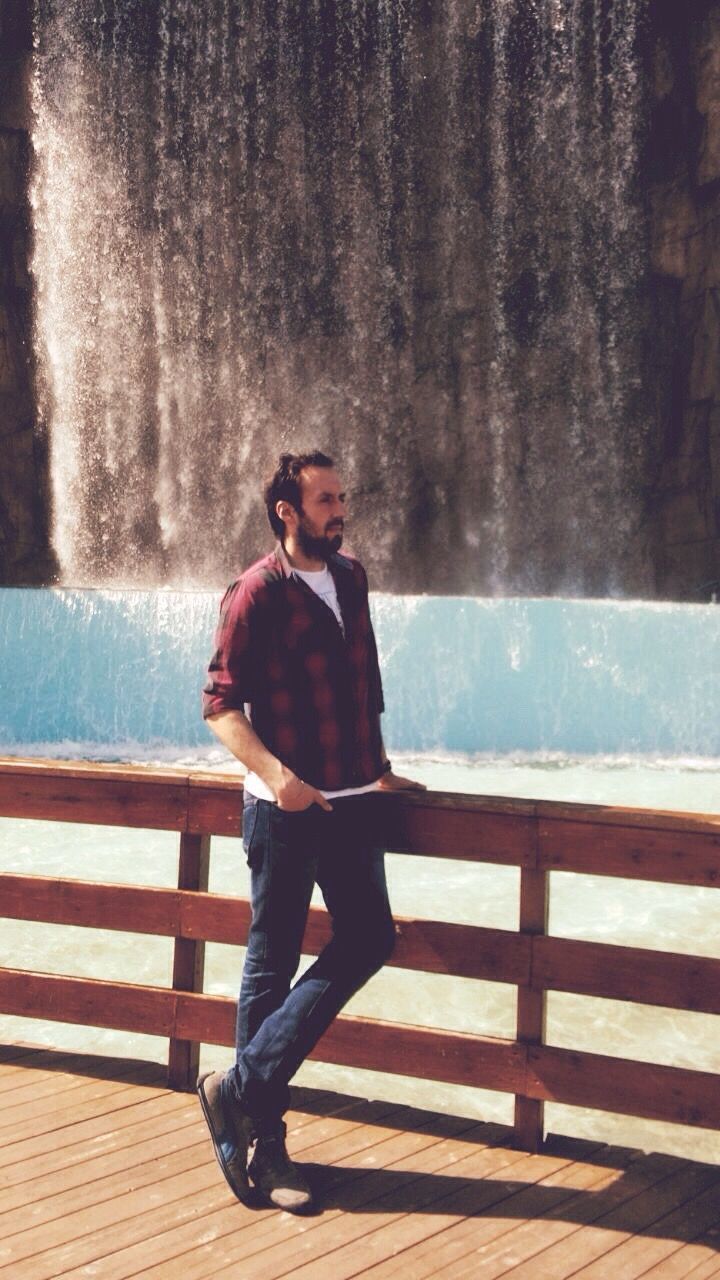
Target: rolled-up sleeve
<point>230,682</point>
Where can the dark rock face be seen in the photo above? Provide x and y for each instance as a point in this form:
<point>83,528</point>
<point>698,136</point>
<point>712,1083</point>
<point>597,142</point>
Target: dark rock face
<point>683,165</point>
<point>24,552</point>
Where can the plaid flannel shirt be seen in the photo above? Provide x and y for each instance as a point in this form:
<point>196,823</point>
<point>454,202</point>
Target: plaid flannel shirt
<point>314,696</point>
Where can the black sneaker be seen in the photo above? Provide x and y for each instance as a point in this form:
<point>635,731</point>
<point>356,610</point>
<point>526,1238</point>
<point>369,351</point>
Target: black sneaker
<point>276,1177</point>
<point>231,1133</point>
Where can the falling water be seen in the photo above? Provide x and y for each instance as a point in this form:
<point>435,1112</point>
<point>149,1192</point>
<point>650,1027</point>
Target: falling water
<point>408,233</point>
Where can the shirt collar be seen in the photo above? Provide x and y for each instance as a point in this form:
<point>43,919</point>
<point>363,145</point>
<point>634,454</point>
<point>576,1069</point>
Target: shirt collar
<point>283,561</point>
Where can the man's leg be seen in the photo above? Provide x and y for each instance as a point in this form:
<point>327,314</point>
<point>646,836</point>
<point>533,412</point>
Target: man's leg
<point>282,861</point>
<point>282,866</point>
<point>350,872</point>
<point>352,877</point>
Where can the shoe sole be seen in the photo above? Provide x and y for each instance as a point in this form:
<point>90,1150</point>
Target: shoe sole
<point>246,1192</point>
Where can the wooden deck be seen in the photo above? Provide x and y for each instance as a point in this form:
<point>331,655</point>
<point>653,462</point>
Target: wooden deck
<point>105,1172</point>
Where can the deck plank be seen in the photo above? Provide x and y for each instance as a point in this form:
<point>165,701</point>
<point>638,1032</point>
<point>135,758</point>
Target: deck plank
<point>705,1270</point>
<point>104,1172</point>
<point>45,1086</point>
<point>100,1098</point>
<point>542,1221</point>
<point>596,1170</point>
<point>72,1144</point>
<point>695,1260</point>
<point>688,1221</point>
<point>593,1244</point>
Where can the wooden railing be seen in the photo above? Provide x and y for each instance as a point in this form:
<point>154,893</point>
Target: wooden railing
<point>537,837</point>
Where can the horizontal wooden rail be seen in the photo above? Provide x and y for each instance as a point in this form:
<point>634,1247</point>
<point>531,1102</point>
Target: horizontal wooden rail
<point>553,835</point>
<point>598,848</point>
<point>432,946</point>
<point>648,1090</point>
<point>537,837</point>
<point>440,825</point>
<point>674,981</point>
<point>636,974</point>
<point>452,1057</point>
<point>102,796</point>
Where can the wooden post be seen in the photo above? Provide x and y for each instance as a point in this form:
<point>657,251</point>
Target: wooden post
<point>531,1005</point>
<point>189,958</point>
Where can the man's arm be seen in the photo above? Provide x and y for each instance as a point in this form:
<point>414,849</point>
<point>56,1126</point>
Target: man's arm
<point>236,733</point>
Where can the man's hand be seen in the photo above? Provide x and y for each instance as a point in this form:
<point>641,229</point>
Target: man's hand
<point>392,782</point>
<point>293,795</point>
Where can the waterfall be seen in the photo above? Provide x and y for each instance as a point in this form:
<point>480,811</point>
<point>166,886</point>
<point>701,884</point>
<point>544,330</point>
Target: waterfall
<point>118,674</point>
<point>410,234</point>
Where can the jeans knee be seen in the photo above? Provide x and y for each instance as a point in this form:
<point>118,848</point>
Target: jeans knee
<point>272,961</point>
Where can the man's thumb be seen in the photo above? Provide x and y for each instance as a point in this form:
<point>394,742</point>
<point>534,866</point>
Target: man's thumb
<point>323,801</point>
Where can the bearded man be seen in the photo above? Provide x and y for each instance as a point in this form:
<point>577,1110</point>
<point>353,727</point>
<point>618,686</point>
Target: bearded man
<point>294,692</point>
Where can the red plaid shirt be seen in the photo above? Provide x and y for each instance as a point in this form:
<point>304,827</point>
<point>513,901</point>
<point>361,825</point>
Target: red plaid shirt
<point>315,696</point>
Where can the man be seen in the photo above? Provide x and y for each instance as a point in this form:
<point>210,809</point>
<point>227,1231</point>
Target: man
<point>294,692</point>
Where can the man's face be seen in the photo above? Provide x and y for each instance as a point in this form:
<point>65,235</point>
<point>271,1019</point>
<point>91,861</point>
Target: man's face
<point>321,519</point>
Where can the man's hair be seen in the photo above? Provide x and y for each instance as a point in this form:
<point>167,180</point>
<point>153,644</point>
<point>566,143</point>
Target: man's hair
<point>284,484</point>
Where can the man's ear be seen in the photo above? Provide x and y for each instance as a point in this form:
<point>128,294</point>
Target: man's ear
<point>286,511</point>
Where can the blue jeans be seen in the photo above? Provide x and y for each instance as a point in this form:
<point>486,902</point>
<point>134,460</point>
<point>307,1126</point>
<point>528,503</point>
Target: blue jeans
<point>278,1023</point>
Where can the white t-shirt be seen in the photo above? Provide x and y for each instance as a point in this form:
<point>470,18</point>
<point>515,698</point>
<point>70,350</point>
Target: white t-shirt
<point>323,584</point>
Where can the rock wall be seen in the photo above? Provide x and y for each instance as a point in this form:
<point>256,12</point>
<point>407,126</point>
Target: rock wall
<point>683,166</point>
<point>25,557</point>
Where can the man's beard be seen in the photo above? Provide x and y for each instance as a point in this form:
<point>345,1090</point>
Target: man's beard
<point>318,548</point>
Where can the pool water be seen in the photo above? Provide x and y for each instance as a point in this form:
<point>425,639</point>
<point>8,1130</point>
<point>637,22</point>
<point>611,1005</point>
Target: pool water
<point>461,675</point>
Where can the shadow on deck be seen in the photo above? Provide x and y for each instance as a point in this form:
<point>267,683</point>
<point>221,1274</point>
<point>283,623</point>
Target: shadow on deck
<point>105,1172</point>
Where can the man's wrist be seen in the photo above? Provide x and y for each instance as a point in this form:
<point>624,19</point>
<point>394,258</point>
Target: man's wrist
<point>277,776</point>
